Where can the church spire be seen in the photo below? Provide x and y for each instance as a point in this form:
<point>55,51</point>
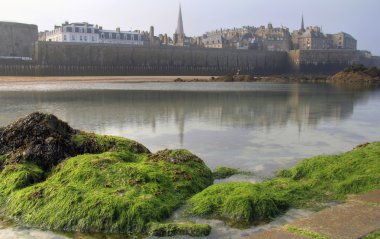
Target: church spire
<point>302,25</point>
<point>179,31</point>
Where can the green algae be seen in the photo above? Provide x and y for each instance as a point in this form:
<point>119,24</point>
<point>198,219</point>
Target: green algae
<point>224,172</point>
<point>373,235</point>
<point>238,203</point>
<point>94,143</point>
<point>19,176</point>
<point>182,228</point>
<point>119,191</point>
<point>2,159</point>
<point>312,181</point>
<point>306,233</point>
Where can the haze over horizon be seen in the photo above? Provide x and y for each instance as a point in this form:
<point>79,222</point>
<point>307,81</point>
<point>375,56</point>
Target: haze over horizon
<point>358,18</point>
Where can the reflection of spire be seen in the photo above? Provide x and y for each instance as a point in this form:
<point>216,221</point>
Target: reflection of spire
<point>180,120</point>
<point>182,130</point>
<point>179,31</point>
<point>154,124</point>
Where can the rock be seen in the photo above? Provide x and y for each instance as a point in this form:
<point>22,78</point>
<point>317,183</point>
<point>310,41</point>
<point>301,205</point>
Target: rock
<point>39,138</point>
<point>177,229</point>
<point>114,185</point>
<point>356,74</point>
<point>45,140</point>
<point>174,156</point>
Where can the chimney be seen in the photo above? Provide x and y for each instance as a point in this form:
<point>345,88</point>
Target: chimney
<point>118,29</point>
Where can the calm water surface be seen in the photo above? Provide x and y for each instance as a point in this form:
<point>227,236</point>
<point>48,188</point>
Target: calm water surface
<point>252,126</point>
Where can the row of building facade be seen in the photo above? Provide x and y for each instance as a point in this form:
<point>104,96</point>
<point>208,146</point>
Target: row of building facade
<point>90,33</point>
<point>278,39</point>
<point>259,38</point>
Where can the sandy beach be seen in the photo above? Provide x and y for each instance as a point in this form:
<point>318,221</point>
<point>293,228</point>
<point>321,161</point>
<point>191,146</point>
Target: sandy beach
<point>100,78</point>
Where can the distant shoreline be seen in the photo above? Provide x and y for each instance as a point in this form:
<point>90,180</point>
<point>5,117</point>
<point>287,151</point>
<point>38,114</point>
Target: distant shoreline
<point>131,79</point>
<point>142,79</point>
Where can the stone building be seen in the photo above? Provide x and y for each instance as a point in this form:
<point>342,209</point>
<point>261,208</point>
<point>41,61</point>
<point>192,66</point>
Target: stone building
<point>214,41</point>
<point>89,33</point>
<point>229,38</point>
<point>343,40</point>
<point>312,38</point>
<point>274,38</point>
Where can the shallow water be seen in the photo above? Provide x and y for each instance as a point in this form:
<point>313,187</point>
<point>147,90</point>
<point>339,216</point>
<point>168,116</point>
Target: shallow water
<point>256,127</point>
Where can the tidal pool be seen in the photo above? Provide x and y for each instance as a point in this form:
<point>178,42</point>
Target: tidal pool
<point>257,127</point>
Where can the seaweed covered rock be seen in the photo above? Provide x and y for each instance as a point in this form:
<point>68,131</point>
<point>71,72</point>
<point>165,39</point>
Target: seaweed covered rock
<point>239,204</point>
<point>310,182</point>
<point>119,190</point>
<point>357,74</point>
<point>39,138</point>
<point>181,228</point>
<point>45,140</point>
<point>224,172</point>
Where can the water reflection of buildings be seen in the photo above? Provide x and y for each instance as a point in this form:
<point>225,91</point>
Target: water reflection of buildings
<point>302,105</point>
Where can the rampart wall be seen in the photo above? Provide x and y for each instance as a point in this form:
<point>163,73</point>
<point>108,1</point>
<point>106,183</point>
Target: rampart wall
<point>57,58</point>
<point>327,61</point>
<point>160,60</point>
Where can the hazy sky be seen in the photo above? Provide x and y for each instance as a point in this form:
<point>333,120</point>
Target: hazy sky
<point>360,18</point>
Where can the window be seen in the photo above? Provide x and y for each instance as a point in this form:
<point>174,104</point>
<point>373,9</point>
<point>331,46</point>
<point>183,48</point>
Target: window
<point>102,36</point>
<point>85,38</point>
<point>81,38</point>
<point>64,37</point>
<point>73,38</point>
<point>93,38</point>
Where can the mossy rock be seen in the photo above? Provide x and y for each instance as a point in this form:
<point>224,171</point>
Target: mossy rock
<point>311,182</point>
<point>93,143</point>
<point>116,186</point>
<point>238,203</point>
<point>177,229</point>
<point>224,172</point>
<point>118,192</point>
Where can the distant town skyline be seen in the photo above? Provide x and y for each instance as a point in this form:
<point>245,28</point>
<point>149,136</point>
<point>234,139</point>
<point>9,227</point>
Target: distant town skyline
<point>358,18</point>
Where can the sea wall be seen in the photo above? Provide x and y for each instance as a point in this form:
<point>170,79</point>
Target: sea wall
<point>99,58</point>
<point>16,39</point>
<point>327,61</point>
<point>376,61</point>
<point>69,59</point>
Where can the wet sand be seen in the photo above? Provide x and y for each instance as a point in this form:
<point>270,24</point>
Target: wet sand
<point>101,78</point>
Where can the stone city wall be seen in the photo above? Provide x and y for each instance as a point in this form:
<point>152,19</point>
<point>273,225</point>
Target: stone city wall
<point>158,60</point>
<point>327,61</point>
<point>16,39</point>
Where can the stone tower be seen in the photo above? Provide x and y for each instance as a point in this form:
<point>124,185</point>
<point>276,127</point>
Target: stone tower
<point>179,35</point>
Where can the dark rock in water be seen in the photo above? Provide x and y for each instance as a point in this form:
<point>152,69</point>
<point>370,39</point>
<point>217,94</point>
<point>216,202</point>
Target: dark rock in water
<point>39,138</point>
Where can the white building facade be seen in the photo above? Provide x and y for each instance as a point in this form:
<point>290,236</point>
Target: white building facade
<point>89,33</point>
